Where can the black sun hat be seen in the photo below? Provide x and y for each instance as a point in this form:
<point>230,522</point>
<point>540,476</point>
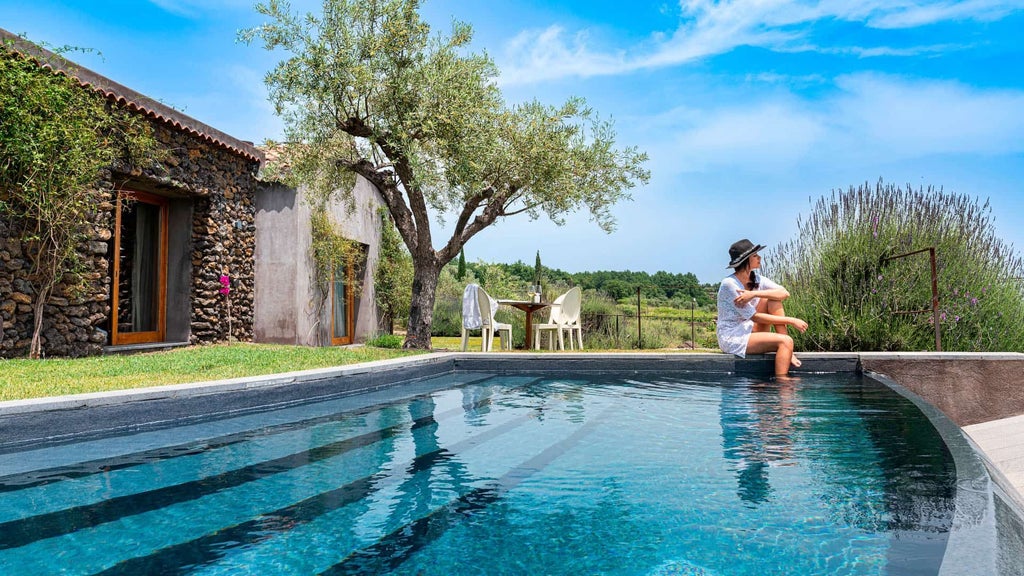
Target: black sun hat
<point>741,250</point>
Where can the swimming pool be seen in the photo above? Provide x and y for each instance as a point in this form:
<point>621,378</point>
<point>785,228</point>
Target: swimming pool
<point>489,473</point>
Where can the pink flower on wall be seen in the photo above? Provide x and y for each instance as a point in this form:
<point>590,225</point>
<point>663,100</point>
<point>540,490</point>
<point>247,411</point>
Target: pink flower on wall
<point>225,283</point>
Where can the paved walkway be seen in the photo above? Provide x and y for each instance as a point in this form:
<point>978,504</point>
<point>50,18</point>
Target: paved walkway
<point>1002,441</point>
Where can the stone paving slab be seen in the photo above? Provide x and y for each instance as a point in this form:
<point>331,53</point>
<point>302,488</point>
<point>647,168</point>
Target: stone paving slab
<point>1002,441</point>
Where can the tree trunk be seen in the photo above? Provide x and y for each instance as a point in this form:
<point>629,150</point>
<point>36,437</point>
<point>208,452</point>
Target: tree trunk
<point>421,309</point>
<point>36,348</point>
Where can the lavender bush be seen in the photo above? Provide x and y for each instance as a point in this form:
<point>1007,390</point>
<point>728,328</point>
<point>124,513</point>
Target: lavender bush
<point>843,284</point>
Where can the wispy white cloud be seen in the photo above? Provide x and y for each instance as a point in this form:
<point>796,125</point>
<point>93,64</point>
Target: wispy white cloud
<point>196,8</point>
<point>545,54</point>
<point>867,120</point>
<point>707,28</point>
<point>913,14</point>
<point>878,51</point>
<point>908,118</point>
<point>768,136</point>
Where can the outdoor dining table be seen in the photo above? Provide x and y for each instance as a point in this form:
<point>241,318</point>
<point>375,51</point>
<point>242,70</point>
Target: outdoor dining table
<point>528,306</point>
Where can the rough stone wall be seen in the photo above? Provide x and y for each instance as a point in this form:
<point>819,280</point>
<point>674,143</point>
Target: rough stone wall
<point>222,185</point>
<point>73,313</point>
<point>223,241</point>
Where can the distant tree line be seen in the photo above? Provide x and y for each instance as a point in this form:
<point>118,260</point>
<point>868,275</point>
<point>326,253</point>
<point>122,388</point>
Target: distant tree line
<point>672,288</point>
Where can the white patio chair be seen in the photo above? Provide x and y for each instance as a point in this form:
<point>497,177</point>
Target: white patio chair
<point>565,316</point>
<point>571,319</point>
<point>554,313</point>
<point>478,314</point>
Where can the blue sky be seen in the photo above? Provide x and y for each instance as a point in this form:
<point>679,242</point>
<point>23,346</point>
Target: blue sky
<point>749,110</point>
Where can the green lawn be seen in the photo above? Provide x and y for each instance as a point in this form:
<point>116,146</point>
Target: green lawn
<point>53,377</point>
<point>20,378</point>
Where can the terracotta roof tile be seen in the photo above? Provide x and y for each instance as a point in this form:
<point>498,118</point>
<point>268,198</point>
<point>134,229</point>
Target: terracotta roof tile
<point>131,99</point>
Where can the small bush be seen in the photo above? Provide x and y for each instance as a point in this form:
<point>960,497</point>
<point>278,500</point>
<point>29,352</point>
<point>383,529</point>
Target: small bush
<point>386,341</point>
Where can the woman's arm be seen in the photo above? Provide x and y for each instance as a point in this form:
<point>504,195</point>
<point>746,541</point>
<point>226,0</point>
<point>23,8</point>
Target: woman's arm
<point>744,296</point>
<point>764,318</point>
<point>779,294</point>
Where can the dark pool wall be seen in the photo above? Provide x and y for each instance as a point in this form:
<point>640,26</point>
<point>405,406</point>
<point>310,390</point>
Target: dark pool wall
<point>967,390</point>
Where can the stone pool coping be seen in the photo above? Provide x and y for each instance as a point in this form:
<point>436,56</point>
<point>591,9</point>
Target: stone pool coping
<point>940,374</point>
<point>977,397</point>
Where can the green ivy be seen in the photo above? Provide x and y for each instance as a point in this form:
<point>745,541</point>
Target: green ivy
<point>393,279</point>
<point>330,250</point>
<point>55,139</point>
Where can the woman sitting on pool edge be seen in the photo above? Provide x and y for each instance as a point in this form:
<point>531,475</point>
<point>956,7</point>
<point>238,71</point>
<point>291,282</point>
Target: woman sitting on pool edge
<point>749,305</point>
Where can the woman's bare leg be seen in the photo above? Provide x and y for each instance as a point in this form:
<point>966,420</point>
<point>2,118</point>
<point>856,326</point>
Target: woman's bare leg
<point>762,307</point>
<point>781,344</point>
<point>775,308</point>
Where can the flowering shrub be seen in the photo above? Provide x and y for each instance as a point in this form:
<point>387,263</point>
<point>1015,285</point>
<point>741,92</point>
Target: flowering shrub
<point>844,282</point>
<point>225,284</point>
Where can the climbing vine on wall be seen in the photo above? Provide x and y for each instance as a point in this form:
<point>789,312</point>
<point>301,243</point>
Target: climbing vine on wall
<point>55,138</point>
<point>330,250</point>
<point>393,280</point>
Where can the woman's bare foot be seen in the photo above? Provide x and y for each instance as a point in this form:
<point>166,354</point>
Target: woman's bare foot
<point>795,361</point>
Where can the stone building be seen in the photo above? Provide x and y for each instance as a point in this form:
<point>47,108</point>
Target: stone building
<point>162,242</point>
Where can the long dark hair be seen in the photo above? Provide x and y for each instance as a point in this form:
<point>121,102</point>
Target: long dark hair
<point>754,283</point>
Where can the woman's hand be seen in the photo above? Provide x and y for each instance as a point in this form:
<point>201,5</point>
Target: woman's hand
<point>743,297</point>
<point>798,324</point>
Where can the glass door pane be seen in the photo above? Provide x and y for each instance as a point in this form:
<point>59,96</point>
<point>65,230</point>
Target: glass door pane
<point>339,305</point>
<point>139,274</point>
<point>140,255</point>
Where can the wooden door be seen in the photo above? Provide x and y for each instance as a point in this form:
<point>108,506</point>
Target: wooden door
<point>139,291</point>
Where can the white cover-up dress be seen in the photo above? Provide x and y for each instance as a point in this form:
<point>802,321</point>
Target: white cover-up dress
<point>734,322</point>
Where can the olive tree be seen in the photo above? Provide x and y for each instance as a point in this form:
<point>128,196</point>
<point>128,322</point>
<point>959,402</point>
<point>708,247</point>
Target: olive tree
<point>366,89</point>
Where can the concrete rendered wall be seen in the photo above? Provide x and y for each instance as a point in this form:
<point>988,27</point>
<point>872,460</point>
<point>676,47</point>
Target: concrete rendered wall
<point>361,222</point>
<point>286,300</point>
<point>276,265</point>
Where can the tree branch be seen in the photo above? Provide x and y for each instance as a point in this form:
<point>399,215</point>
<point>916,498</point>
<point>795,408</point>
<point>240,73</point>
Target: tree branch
<point>491,213</point>
<point>389,191</point>
<point>471,205</point>
<point>417,203</point>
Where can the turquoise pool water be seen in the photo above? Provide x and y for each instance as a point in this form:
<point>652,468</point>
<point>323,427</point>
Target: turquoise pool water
<point>485,474</point>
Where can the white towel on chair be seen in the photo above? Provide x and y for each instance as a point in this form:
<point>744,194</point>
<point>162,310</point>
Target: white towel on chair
<point>471,319</point>
<point>470,309</point>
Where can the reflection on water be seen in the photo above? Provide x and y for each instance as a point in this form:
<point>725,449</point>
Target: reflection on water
<point>518,475</point>
<point>879,463</point>
<point>757,433</point>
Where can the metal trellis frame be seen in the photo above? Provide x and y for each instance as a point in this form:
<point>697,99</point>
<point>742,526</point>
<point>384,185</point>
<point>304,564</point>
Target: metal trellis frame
<point>935,293</point>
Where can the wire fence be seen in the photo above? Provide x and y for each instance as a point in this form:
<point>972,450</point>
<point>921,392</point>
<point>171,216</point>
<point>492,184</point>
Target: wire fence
<point>621,332</point>
<point>684,329</point>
